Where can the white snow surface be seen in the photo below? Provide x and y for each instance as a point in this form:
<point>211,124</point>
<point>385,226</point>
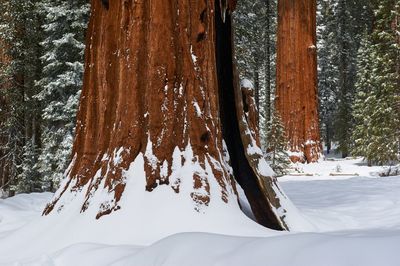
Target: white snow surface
<point>356,221</point>
<point>246,83</point>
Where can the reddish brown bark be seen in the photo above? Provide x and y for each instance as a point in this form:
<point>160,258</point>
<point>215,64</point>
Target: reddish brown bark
<point>4,164</point>
<point>151,88</point>
<point>296,96</point>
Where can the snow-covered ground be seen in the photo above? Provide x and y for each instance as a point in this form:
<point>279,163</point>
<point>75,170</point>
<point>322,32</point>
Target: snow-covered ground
<point>355,213</point>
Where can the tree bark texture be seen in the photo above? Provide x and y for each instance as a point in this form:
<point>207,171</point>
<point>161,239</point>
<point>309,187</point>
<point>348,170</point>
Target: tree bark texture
<point>296,99</point>
<point>151,89</point>
<point>4,164</point>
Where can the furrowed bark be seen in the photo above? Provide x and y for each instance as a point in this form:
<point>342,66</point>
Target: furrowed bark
<point>152,88</point>
<point>296,99</point>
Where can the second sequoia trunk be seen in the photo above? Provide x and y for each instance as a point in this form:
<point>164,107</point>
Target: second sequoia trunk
<point>160,96</point>
<point>296,99</point>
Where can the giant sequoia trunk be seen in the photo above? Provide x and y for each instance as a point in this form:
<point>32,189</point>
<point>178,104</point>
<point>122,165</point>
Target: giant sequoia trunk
<point>161,97</point>
<point>296,99</point>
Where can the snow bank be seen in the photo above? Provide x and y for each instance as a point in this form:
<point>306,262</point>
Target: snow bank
<point>299,250</point>
<point>19,210</point>
<point>351,204</point>
<point>199,249</point>
<point>357,222</point>
<point>348,168</point>
<point>393,170</point>
<point>143,218</point>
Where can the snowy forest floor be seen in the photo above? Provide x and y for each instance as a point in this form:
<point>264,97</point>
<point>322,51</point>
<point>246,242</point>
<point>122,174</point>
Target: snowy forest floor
<point>356,215</point>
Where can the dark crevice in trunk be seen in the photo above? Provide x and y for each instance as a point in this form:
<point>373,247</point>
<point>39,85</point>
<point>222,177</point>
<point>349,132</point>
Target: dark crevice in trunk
<point>243,172</point>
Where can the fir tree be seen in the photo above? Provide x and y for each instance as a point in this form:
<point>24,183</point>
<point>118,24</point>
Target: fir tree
<point>341,25</point>
<point>276,146</point>
<point>327,69</point>
<point>376,135</point>
<point>365,102</point>
<point>64,26</point>
<point>255,40</point>
<point>19,33</point>
<point>30,178</point>
<point>43,41</point>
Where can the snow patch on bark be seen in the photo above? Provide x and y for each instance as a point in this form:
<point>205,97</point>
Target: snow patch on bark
<point>246,83</point>
<point>226,156</point>
<point>264,168</point>
<point>152,159</point>
<point>310,142</point>
<point>252,150</point>
<point>194,183</point>
<point>194,57</point>
<point>164,170</point>
<point>197,109</point>
<point>117,156</point>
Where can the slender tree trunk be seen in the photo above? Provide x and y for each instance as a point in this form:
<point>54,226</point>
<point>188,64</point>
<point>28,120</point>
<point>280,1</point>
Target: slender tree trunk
<point>268,107</point>
<point>296,99</point>
<point>328,138</point>
<point>397,107</point>
<point>268,76</point>
<point>257,89</point>
<point>161,94</point>
<point>4,163</point>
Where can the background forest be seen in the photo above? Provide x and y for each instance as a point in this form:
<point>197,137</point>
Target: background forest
<point>42,50</point>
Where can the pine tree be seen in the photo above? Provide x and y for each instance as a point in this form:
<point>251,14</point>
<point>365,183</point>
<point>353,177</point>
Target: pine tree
<point>351,21</point>
<point>30,179</point>
<point>276,146</point>
<point>19,34</point>
<point>327,69</point>
<point>43,44</point>
<point>365,102</point>
<point>270,58</point>
<point>250,42</point>
<point>255,25</point>
<point>376,135</point>
<point>63,45</point>
<point>12,122</point>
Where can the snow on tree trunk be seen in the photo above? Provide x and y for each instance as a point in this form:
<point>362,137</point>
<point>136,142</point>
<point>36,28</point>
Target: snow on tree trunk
<point>161,100</point>
<point>296,99</point>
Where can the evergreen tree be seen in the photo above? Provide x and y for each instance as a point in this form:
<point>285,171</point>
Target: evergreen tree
<point>30,179</point>
<point>327,69</point>
<point>255,26</point>
<point>376,135</point>
<point>276,146</point>
<point>345,38</point>
<point>365,102</point>
<point>64,26</point>
<point>20,32</point>
<point>250,41</point>
<point>43,41</point>
<point>341,26</point>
